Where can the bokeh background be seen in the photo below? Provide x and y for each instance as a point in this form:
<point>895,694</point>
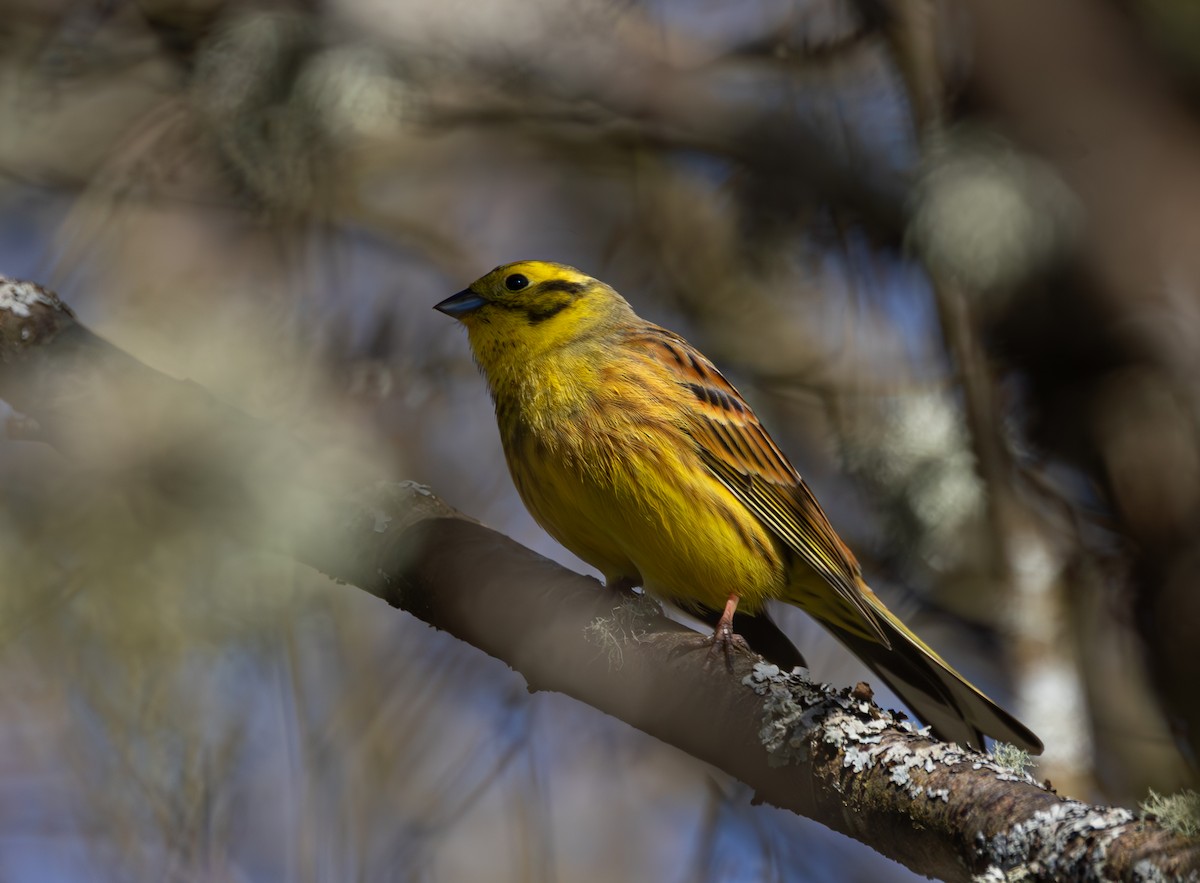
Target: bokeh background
<point>944,248</point>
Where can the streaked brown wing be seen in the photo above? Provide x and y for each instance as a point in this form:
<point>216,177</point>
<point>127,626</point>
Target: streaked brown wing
<point>741,455</point>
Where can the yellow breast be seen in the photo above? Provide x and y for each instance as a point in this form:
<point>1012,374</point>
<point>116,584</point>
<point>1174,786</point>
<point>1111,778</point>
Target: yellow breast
<point>601,466</point>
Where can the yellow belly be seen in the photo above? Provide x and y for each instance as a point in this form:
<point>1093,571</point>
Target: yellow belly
<point>627,512</point>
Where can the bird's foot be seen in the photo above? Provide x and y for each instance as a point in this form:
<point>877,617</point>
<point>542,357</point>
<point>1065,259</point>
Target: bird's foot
<point>723,638</point>
<point>724,641</point>
<point>728,642</point>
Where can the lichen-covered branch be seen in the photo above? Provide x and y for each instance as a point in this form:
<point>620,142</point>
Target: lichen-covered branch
<point>828,754</point>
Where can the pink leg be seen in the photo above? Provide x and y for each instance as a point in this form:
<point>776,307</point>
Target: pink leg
<point>724,630</point>
<point>725,637</point>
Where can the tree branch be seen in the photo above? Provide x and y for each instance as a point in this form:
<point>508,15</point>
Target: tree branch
<point>827,754</point>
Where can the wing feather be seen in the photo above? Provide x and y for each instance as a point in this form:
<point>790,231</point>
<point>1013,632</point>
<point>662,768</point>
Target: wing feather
<point>739,452</point>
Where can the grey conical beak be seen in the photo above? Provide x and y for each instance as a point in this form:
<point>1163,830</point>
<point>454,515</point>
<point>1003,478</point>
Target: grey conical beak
<point>458,305</point>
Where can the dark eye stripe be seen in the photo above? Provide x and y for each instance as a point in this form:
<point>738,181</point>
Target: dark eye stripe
<point>575,288</point>
<point>536,317</point>
<point>539,311</point>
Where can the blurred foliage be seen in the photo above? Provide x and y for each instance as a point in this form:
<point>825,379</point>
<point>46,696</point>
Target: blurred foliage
<point>268,198</point>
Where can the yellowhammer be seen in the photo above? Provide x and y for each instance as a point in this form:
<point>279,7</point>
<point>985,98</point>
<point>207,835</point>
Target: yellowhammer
<point>629,447</point>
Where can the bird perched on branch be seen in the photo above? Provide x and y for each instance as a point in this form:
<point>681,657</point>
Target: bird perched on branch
<point>632,450</point>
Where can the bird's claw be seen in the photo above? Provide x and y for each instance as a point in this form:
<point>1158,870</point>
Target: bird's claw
<point>724,640</point>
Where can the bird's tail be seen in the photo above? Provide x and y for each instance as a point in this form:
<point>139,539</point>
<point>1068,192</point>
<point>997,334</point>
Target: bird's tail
<point>955,709</point>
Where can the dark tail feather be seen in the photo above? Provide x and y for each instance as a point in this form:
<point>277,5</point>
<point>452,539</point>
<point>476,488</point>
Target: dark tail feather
<point>942,698</point>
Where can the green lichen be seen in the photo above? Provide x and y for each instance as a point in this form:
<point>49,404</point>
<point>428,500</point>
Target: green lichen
<point>1178,813</point>
<point>1012,757</point>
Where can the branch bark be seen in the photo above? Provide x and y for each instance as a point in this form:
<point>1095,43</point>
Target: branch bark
<point>828,754</point>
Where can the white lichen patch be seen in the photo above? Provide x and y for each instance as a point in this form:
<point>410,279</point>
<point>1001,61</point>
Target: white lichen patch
<point>1145,871</point>
<point>18,297</point>
<point>382,520</point>
<point>416,487</point>
<point>793,706</point>
<point>1000,770</point>
<point>1053,840</point>
<point>991,875</point>
<point>901,761</point>
<point>797,710</point>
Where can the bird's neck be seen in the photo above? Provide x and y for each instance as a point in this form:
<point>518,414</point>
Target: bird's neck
<point>546,389</point>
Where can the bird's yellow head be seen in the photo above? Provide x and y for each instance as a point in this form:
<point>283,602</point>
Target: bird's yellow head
<point>521,310</point>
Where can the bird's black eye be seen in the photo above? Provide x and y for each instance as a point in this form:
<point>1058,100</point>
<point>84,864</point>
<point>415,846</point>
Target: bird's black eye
<point>516,282</point>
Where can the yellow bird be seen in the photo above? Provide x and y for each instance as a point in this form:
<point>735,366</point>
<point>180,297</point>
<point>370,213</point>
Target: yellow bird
<point>629,447</point>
